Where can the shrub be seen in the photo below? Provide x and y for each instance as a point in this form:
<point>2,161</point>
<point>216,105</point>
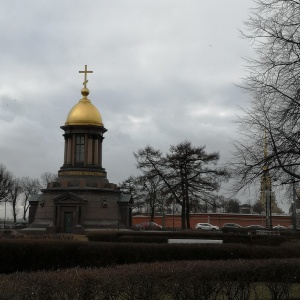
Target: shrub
<point>163,236</point>
<point>103,236</point>
<point>32,255</point>
<point>186,280</point>
<point>142,239</point>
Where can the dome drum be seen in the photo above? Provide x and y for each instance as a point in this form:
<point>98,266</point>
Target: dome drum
<point>83,140</point>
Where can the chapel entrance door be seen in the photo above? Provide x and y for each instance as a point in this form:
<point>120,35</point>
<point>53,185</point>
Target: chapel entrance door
<point>68,222</point>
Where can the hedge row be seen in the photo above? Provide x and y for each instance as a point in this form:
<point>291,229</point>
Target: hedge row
<point>31,255</point>
<point>189,280</point>
<point>163,236</point>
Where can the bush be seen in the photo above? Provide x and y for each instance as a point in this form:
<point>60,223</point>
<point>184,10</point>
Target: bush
<point>103,236</point>
<point>113,236</point>
<point>31,255</point>
<point>163,236</point>
<point>143,239</point>
<point>186,280</point>
<point>267,240</point>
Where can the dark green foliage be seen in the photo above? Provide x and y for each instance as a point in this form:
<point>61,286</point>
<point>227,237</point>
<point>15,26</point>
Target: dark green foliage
<point>186,280</point>
<point>267,240</point>
<point>142,239</point>
<point>104,236</point>
<point>26,255</point>
<point>291,234</point>
<point>240,237</point>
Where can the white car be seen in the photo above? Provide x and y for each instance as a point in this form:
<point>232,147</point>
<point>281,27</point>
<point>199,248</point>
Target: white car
<point>206,226</point>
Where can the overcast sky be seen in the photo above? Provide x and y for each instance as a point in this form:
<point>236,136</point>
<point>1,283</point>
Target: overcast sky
<point>164,72</point>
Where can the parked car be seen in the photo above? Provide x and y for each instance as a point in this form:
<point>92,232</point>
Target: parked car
<point>256,227</point>
<point>279,227</point>
<point>150,226</point>
<point>231,225</point>
<point>206,226</point>
<point>136,226</point>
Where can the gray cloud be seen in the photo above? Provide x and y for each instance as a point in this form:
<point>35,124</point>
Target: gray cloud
<point>163,73</point>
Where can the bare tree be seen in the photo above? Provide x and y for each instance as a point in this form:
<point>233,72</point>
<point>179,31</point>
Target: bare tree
<point>130,186</point>
<point>46,178</point>
<point>14,192</point>
<point>30,187</point>
<point>273,82</point>
<point>146,192</point>
<point>150,188</point>
<point>228,205</point>
<point>258,207</point>
<point>188,172</point>
<point>6,180</point>
<point>233,206</point>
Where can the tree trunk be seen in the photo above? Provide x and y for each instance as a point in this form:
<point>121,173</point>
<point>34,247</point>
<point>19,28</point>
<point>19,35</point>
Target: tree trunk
<point>183,216</point>
<point>186,190</point>
<point>24,212</point>
<point>188,225</point>
<point>14,211</point>
<point>183,208</point>
<point>152,213</point>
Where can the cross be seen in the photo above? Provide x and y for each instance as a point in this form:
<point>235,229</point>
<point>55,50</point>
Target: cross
<point>85,75</point>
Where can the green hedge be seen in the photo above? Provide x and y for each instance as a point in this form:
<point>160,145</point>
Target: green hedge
<point>163,236</point>
<point>26,255</point>
<point>188,280</point>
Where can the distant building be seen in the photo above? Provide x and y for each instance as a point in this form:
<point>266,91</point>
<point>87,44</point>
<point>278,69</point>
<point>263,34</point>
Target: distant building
<point>267,199</point>
<point>245,209</point>
<point>81,197</point>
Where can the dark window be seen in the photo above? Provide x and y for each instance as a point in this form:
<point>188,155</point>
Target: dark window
<point>79,149</point>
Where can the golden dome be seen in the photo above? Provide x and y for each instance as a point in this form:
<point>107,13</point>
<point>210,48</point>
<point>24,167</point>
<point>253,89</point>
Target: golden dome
<point>84,112</point>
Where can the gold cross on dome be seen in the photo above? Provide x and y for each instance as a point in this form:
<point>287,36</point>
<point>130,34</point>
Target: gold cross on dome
<point>85,75</point>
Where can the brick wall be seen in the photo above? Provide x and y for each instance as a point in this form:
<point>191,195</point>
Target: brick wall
<point>216,219</point>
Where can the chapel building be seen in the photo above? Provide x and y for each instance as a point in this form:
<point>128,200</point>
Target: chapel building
<point>81,197</point>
